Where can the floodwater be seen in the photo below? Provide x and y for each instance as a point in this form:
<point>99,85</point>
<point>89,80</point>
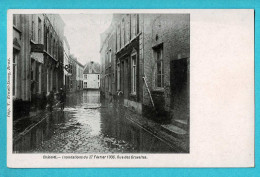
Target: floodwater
<point>89,124</point>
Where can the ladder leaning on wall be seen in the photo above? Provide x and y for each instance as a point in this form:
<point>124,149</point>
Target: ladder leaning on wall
<point>148,91</point>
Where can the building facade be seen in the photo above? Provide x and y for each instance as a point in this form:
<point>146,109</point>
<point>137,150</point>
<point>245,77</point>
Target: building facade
<point>91,76</point>
<point>79,77</point>
<point>76,76</point>
<point>37,59</point>
<point>67,66</point>
<point>145,63</point>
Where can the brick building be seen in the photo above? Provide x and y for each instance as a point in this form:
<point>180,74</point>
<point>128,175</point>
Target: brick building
<point>37,59</point>
<point>145,63</point>
<point>166,53</point>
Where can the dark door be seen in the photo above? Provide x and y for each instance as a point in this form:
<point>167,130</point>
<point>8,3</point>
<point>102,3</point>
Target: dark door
<point>180,96</point>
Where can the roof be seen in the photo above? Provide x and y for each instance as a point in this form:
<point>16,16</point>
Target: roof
<point>106,34</point>
<point>92,68</point>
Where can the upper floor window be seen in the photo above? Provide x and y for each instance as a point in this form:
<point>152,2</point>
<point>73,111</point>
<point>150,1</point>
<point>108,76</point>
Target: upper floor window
<point>118,37</point>
<point>133,73</point>
<point>54,49</point>
<point>39,31</point>
<point>159,67</point>
<point>33,29</point>
<point>50,43</point>
<point>109,56</point>
<point>15,19</point>
<point>14,73</point>
<point>134,25</point>
<point>57,50</point>
<point>123,33</point>
<point>47,42</point>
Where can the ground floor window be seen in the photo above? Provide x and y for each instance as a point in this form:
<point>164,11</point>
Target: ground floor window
<point>110,83</point>
<point>118,76</point>
<point>40,79</point>
<point>48,80</point>
<point>33,76</point>
<point>159,80</point>
<point>106,83</point>
<point>85,84</point>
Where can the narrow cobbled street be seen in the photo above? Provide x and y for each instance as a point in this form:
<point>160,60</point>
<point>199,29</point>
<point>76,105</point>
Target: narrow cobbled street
<point>88,125</point>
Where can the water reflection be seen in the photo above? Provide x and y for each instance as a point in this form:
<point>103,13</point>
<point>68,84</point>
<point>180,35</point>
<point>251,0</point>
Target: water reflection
<point>90,125</point>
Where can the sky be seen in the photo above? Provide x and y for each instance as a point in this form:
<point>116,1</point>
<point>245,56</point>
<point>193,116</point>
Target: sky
<point>83,34</point>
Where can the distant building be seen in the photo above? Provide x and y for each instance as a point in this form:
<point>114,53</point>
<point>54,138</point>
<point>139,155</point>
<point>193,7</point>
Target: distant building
<point>91,76</point>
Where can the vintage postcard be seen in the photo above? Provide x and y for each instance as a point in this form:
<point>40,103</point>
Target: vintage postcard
<point>130,88</point>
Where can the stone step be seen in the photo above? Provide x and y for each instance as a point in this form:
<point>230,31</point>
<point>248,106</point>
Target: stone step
<point>181,123</point>
<point>175,131</point>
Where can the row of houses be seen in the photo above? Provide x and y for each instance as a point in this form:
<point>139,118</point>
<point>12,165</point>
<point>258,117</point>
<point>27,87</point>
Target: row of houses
<point>145,64</point>
<point>41,61</point>
<point>73,73</point>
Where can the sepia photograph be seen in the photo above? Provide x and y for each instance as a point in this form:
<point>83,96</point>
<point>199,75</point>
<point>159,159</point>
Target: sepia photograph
<point>101,83</point>
<point>130,88</point>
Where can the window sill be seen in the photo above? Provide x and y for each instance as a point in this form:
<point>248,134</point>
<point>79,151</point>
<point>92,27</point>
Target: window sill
<point>132,94</point>
<point>158,90</point>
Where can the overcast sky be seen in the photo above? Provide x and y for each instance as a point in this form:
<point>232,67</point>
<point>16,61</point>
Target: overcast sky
<point>83,34</point>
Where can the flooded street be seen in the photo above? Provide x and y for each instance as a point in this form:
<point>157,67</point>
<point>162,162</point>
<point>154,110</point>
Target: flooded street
<point>89,124</point>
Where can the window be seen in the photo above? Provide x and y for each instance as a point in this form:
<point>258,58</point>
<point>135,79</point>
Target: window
<point>85,84</point>
<point>50,44</point>
<point>47,42</point>
<point>48,79</point>
<point>54,49</point>
<point>134,25</point>
<point>110,55</point>
<point>133,73</point>
<point>37,77</point>
<point>118,37</point>
<point>98,77</point>
<point>15,19</point>
<point>33,76</point>
<point>106,62</point>
<point>118,76</point>
<point>40,79</point>
<point>57,50</point>
<point>159,67</point>
<point>128,26</point>
<point>109,83</point>
<point>14,73</point>
<point>39,31</point>
<point>123,33</point>
<point>106,83</point>
<point>33,30</point>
